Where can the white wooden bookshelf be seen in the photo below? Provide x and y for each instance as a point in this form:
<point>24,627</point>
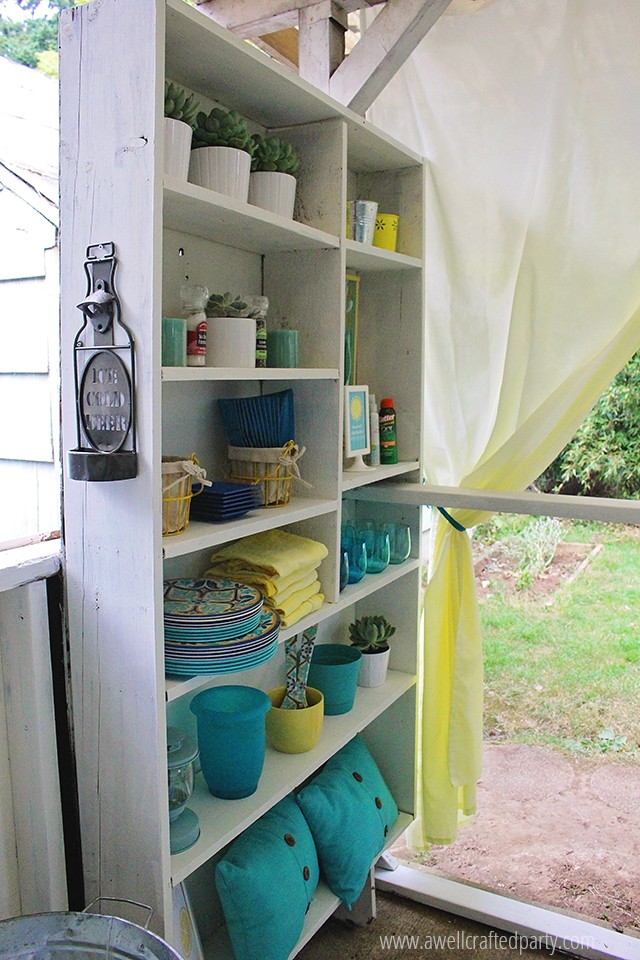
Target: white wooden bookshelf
<point>222,820</point>
<point>353,479</point>
<point>360,256</point>
<point>200,535</point>
<point>204,213</point>
<point>371,583</point>
<point>115,555</point>
<point>247,374</point>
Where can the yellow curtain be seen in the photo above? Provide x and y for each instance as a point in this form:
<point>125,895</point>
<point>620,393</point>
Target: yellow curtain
<point>527,114</point>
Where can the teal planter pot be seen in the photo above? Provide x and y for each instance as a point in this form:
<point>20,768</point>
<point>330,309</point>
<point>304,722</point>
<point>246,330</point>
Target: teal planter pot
<point>231,738</point>
<point>334,671</point>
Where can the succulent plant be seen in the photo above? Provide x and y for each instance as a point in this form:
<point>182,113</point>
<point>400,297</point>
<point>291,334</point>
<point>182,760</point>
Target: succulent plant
<point>274,155</point>
<point>224,305</point>
<point>178,105</point>
<point>222,128</point>
<point>371,634</point>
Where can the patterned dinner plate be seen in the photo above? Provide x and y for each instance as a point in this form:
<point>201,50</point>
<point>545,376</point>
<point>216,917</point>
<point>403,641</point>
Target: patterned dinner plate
<point>199,601</point>
<point>268,627</point>
<point>192,668</point>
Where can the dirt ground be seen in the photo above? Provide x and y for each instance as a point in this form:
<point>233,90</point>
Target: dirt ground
<point>554,829</point>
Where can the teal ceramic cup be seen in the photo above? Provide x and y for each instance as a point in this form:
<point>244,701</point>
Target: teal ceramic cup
<point>334,671</point>
<point>231,738</point>
<point>174,342</point>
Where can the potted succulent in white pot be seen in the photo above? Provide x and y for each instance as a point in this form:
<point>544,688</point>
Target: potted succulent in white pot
<point>231,331</point>
<point>180,109</point>
<point>273,184</point>
<point>371,635</point>
<point>221,153</point>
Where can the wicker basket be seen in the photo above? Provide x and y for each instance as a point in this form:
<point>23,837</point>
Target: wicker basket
<point>176,495</point>
<point>272,467</point>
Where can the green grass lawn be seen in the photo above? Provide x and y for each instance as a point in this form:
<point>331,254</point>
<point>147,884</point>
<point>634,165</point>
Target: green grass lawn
<point>567,673</point>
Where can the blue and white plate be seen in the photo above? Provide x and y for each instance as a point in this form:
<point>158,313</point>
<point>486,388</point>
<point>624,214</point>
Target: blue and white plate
<point>198,602</point>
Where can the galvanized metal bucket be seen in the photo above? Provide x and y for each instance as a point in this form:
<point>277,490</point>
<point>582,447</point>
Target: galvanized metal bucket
<point>68,936</point>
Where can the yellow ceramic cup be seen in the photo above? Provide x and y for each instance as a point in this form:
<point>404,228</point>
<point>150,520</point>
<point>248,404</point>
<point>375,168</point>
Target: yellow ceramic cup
<point>294,731</point>
<point>385,234</point>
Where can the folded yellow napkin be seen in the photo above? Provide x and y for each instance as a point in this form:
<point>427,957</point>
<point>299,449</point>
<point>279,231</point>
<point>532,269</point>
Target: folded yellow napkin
<point>286,608</point>
<point>305,608</point>
<point>273,552</point>
<point>270,586</point>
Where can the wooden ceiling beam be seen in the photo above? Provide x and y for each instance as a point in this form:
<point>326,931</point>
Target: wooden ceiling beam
<point>255,18</point>
<point>385,46</point>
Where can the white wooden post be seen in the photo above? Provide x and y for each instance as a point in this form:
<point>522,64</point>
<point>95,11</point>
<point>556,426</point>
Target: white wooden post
<point>112,67</point>
<point>321,30</point>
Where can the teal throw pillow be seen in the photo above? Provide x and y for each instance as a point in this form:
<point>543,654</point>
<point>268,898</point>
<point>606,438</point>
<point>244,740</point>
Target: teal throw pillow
<point>350,811</point>
<point>265,881</point>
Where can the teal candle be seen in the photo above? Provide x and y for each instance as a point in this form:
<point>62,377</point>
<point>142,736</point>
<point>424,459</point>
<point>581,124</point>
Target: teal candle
<point>282,348</point>
<point>174,342</point>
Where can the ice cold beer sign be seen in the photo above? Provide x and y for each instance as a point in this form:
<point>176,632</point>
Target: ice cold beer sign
<point>105,402</point>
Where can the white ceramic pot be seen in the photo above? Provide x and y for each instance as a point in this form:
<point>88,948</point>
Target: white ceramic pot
<point>373,669</point>
<point>224,169</point>
<point>273,191</point>
<point>177,148</point>
<point>231,342</point>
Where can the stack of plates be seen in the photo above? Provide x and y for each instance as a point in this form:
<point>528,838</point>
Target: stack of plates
<point>225,501</point>
<point>216,626</point>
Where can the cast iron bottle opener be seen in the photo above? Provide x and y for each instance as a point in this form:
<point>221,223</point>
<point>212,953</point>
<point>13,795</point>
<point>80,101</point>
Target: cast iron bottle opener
<point>104,379</point>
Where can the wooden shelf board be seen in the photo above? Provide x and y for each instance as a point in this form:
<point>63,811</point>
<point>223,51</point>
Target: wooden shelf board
<point>323,905</point>
<point>362,256</point>
<point>204,56</point>
<point>176,687</point>
<point>351,480</point>
<point>222,820</point>
<point>199,212</point>
<point>194,374</point>
<point>199,535</point>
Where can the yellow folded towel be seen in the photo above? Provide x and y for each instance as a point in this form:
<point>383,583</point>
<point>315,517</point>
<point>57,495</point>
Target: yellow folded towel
<point>283,593</point>
<point>273,552</point>
<point>270,586</point>
<point>305,608</point>
<point>286,608</point>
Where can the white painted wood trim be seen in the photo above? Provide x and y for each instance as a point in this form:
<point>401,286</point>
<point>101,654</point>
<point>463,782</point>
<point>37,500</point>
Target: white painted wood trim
<point>31,739</point>
<point>502,501</point>
<point>557,930</point>
<point>23,565</point>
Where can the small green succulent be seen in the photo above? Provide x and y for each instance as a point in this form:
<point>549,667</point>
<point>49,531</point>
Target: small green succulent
<point>371,634</point>
<point>222,128</point>
<point>178,105</point>
<point>274,155</point>
<point>224,305</point>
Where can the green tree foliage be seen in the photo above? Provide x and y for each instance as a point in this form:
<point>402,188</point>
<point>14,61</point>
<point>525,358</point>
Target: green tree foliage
<point>24,39</point>
<point>603,458</point>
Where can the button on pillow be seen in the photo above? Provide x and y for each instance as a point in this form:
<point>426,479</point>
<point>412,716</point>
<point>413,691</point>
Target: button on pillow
<point>266,881</point>
<point>350,811</point>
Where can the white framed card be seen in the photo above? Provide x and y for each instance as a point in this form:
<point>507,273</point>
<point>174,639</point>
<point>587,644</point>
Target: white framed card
<point>356,425</point>
<point>185,931</point>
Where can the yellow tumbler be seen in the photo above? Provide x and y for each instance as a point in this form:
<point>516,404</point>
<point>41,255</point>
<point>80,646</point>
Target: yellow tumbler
<point>385,234</point>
